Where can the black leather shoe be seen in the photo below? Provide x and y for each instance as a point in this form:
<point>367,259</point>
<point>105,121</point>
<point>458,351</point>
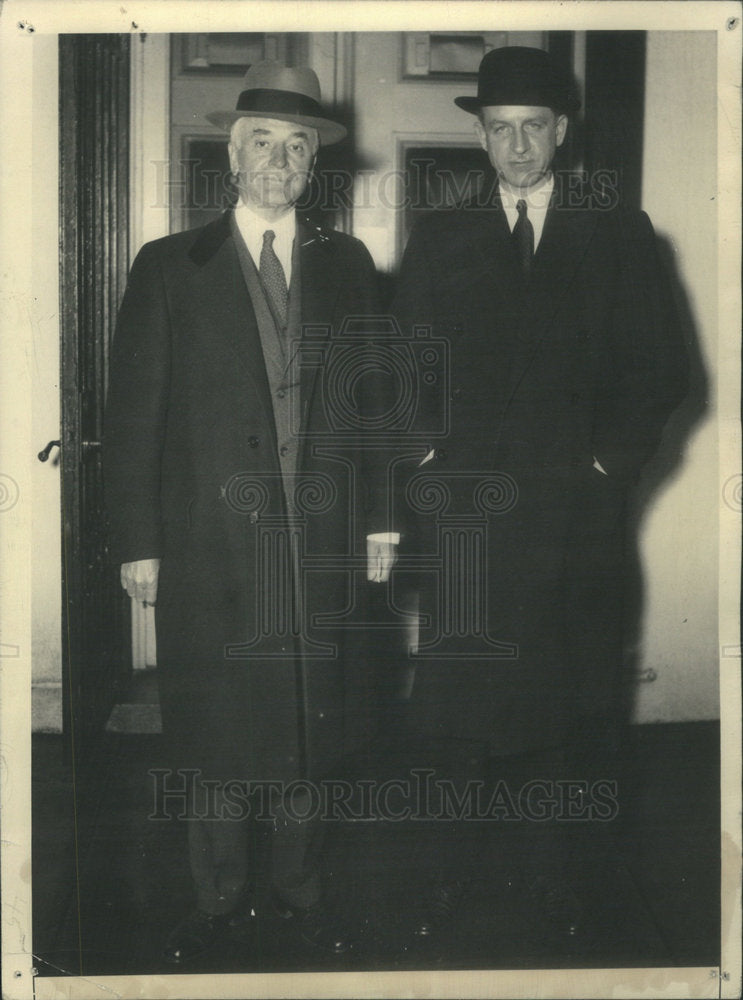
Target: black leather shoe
<point>199,931</point>
<point>557,902</point>
<point>194,935</point>
<point>317,924</point>
<point>242,921</point>
<point>438,908</point>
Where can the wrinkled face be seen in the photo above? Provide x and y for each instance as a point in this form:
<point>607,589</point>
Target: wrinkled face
<point>272,161</point>
<point>520,141</point>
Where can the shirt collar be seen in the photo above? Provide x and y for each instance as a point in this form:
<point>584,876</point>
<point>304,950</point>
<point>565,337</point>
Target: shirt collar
<point>249,222</point>
<point>536,198</point>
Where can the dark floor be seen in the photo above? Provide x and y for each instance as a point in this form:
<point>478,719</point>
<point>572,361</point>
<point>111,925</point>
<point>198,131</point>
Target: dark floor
<point>109,882</point>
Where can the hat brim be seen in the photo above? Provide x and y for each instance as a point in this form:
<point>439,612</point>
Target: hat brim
<point>470,104</point>
<point>329,131</point>
<point>473,104</point>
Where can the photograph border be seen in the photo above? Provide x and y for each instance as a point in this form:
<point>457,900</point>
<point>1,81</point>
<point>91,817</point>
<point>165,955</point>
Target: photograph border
<point>21,24</point>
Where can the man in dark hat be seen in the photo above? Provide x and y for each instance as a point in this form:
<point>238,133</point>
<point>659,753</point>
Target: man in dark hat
<point>223,477</point>
<point>565,360</point>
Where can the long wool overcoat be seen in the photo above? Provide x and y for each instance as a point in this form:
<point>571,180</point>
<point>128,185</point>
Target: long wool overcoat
<point>193,478</point>
<point>519,536</point>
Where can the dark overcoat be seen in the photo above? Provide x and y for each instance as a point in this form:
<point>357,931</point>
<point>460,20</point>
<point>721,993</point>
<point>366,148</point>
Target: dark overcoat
<point>192,477</point>
<point>520,538</point>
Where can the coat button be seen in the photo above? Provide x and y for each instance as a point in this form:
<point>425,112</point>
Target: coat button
<point>253,441</point>
<point>441,454</point>
<point>283,450</point>
<point>280,393</point>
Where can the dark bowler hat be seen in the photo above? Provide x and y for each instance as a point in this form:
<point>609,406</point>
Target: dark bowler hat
<point>286,93</point>
<point>519,75</point>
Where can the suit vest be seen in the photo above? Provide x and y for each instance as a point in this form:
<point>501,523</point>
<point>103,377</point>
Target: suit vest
<point>281,358</point>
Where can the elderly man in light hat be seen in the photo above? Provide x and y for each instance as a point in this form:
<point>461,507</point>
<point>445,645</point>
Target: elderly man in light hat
<point>222,477</point>
<point>565,362</point>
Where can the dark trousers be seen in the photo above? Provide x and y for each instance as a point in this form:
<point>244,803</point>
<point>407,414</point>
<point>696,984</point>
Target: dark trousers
<point>518,817</point>
<point>223,852</point>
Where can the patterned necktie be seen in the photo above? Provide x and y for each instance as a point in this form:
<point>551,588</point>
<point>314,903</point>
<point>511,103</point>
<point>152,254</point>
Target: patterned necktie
<point>273,277</point>
<point>523,238</point>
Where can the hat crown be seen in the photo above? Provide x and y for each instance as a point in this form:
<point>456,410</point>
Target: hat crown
<point>519,75</point>
<point>283,93</point>
<point>270,75</point>
<point>518,65</point>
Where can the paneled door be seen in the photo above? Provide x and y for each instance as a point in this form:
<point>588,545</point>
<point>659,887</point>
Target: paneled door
<point>94,206</point>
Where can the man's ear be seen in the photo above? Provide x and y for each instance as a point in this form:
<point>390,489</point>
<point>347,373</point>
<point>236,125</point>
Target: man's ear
<point>561,128</point>
<point>480,133</point>
<point>232,152</point>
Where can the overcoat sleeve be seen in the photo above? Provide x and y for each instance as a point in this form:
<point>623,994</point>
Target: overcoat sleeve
<point>648,358</point>
<point>136,414</point>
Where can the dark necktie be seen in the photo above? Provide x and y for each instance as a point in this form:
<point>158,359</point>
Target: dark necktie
<point>273,277</point>
<point>523,238</point>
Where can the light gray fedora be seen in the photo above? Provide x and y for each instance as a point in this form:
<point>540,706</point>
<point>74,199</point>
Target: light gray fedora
<point>288,94</point>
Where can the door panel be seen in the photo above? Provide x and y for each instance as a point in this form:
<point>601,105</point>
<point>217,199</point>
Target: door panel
<point>94,206</point>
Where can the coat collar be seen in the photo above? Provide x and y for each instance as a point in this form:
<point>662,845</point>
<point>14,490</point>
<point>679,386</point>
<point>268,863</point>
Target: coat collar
<point>320,280</point>
<point>317,250</point>
<point>211,236</point>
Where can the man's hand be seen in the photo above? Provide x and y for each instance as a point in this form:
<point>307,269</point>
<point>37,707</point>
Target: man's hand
<point>139,579</point>
<point>380,558</point>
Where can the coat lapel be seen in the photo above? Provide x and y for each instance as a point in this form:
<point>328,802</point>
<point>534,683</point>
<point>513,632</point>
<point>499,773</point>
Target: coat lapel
<point>320,277</point>
<point>564,242</point>
<point>232,313</point>
<point>492,277</point>
<point>490,297</point>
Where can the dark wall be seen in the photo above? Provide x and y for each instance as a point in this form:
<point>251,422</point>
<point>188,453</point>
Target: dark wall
<point>615,108</point>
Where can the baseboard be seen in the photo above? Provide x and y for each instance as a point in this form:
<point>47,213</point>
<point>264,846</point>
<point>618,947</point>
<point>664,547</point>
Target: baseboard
<point>46,707</point>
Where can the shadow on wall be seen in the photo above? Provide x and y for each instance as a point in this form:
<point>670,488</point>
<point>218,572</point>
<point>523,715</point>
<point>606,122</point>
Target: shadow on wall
<point>663,466</point>
<point>329,197</point>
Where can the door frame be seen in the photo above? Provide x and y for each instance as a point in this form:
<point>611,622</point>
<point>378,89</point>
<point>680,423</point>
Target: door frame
<point>94,245</point>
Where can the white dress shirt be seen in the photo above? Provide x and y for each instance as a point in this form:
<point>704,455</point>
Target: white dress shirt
<point>537,202</point>
<point>252,227</point>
